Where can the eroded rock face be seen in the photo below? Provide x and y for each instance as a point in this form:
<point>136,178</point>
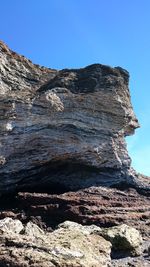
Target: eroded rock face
<point>62,145</point>
<point>101,206</point>
<point>63,128</point>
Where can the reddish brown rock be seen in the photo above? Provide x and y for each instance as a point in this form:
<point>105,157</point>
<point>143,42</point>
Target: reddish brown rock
<point>96,205</point>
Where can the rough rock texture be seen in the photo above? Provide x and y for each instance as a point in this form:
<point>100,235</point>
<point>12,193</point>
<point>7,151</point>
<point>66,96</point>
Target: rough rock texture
<point>124,238</point>
<point>63,157</point>
<point>131,262</point>
<point>95,205</point>
<point>61,248</point>
<point>70,245</point>
<point>10,225</point>
<point>63,129</point>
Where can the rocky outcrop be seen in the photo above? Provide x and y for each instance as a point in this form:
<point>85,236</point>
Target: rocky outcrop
<point>63,157</point>
<point>101,206</point>
<point>63,129</point>
<point>61,248</point>
<point>71,244</point>
<point>124,238</point>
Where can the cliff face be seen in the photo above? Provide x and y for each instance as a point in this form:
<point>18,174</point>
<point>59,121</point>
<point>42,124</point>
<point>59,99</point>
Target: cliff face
<point>63,157</point>
<point>63,129</point>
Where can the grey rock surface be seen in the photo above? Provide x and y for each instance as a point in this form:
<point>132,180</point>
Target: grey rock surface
<point>11,226</point>
<point>124,238</point>
<point>63,129</point>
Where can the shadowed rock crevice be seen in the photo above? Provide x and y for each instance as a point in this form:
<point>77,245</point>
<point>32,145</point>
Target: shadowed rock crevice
<point>60,177</point>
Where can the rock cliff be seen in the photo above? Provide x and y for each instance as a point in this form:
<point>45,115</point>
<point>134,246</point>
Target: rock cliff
<point>63,129</point>
<point>63,156</point>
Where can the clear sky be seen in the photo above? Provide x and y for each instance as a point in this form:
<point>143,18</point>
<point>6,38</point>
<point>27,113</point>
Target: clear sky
<point>75,33</point>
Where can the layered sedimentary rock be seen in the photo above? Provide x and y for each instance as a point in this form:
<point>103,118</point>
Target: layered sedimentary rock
<point>63,129</point>
<point>63,157</point>
<point>98,205</point>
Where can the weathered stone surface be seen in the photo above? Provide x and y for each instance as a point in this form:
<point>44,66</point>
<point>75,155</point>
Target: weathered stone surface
<point>124,238</point>
<point>95,205</point>
<point>71,244</point>
<point>10,225</point>
<point>32,229</point>
<point>88,229</point>
<point>63,129</point>
<point>62,248</point>
<point>131,262</point>
<point>126,241</point>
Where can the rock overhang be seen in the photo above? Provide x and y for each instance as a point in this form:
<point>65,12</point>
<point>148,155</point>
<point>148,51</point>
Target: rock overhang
<point>76,118</point>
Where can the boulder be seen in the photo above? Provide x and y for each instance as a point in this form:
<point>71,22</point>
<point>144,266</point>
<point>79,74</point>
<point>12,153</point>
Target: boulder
<point>124,238</point>
<point>11,226</point>
<point>32,229</point>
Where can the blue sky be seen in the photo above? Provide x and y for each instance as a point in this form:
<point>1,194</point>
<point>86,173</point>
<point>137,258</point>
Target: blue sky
<point>75,33</point>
